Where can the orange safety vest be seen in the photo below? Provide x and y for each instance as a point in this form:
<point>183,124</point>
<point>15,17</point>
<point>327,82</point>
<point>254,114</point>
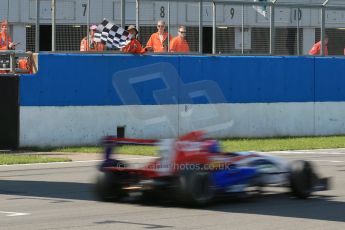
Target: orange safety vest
<point>179,44</point>
<point>95,46</point>
<point>5,40</point>
<point>155,43</point>
<point>24,64</point>
<point>315,50</point>
<point>134,47</point>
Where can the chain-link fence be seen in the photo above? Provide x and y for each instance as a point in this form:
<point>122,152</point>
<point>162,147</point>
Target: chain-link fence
<point>237,27</point>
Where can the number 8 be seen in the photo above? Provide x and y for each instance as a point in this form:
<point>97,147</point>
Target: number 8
<point>162,14</point>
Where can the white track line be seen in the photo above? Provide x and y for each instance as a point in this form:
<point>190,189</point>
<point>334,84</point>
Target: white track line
<point>306,153</point>
<point>14,214</point>
<point>51,163</point>
<point>330,161</point>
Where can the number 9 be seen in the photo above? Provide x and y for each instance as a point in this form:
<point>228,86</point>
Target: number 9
<point>232,13</point>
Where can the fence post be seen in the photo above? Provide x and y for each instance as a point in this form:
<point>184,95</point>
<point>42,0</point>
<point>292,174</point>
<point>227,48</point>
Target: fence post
<point>137,14</point>
<point>168,48</point>
<point>37,29</point>
<point>200,26</point>
<point>298,45</point>
<point>88,20</point>
<point>242,38</point>
<point>53,24</point>
<point>272,29</point>
<point>214,27</point>
<point>123,14</point>
<point>322,30</point>
<point>8,10</point>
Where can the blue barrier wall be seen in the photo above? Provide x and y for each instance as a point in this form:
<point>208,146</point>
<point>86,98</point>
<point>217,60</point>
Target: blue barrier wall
<point>79,80</point>
<point>330,79</point>
<point>74,98</point>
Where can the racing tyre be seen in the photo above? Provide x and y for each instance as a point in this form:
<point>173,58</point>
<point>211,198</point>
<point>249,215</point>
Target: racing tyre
<point>150,196</point>
<point>302,179</point>
<point>196,188</point>
<point>108,188</point>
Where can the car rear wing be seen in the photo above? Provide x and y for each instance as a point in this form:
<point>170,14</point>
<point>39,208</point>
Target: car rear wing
<point>114,141</point>
<point>193,136</point>
<point>111,142</point>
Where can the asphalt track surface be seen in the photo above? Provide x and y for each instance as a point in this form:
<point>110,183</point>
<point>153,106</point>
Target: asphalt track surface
<point>59,196</point>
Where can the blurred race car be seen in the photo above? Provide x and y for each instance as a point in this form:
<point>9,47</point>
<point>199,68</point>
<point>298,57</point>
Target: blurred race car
<point>194,170</point>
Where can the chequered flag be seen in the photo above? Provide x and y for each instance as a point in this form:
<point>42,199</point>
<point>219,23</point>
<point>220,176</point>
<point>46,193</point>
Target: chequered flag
<point>112,35</point>
<point>261,9</point>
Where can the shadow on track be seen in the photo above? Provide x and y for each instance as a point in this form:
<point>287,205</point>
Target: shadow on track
<point>273,204</point>
<point>317,207</point>
<point>47,189</point>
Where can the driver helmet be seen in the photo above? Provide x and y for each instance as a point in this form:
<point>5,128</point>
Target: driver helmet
<point>213,146</point>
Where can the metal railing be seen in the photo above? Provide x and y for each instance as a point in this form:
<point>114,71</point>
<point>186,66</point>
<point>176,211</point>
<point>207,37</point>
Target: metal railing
<point>252,33</point>
<point>9,62</point>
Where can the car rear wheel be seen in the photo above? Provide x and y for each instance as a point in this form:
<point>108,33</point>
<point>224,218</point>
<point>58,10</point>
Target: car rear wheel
<point>302,179</point>
<point>196,188</point>
<point>108,187</point>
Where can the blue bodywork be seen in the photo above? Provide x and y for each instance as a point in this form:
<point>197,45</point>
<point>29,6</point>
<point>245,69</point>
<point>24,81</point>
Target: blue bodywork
<point>234,176</point>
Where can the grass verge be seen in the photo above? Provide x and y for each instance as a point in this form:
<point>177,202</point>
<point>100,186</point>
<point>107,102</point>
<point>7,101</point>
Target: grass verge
<point>10,159</point>
<point>230,145</point>
<point>127,149</point>
<point>262,144</point>
<point>287,143</point>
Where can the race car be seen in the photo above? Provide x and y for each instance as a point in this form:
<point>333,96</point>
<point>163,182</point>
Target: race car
<point>194,170</point>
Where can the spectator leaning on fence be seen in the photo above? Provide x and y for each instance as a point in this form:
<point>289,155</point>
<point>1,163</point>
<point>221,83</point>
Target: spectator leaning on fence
<point>91,45</point>
<point>315,50</point>
<point>158,41</point>
<point>134,46</point>
<point>5,39</point>
<point>179,43</point>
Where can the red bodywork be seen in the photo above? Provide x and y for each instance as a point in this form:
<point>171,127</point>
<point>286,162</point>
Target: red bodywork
<point>192,149</point>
